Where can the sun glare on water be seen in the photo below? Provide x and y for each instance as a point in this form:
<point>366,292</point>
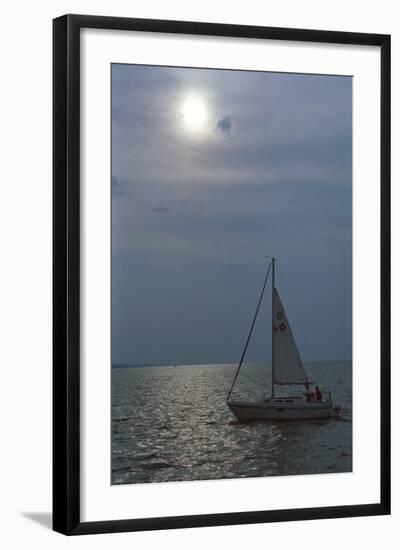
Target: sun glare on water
<point>195,114</point>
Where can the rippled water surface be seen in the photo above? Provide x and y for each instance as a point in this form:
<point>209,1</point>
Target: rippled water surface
<point>172,423</point>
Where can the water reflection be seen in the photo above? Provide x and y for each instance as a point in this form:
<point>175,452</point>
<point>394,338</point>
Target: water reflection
<point>172,424</point>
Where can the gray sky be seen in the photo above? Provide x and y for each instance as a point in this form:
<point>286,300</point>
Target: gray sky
<point>211,170</point>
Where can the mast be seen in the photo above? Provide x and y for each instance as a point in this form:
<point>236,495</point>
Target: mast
<point>273,328</point>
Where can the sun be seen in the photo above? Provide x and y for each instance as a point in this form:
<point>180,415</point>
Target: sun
<point>194,114</point>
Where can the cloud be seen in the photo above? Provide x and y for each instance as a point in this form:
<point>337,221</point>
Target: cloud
<point>161,210</point>
<point>224,125</point>
<point>117,187</point>
<point>283,185</point>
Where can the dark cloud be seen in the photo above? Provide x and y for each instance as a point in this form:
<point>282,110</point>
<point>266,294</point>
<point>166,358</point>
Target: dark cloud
<point>224,125</point>
<point>161,210</point>
<point>117,187</point>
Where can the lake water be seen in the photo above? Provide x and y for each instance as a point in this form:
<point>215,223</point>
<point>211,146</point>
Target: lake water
<point>172,423</point>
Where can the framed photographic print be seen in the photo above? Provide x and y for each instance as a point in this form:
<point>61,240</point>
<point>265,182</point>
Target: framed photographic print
<point>221,274</point>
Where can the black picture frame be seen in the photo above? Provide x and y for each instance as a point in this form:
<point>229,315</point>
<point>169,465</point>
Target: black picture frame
<point>66,273</point>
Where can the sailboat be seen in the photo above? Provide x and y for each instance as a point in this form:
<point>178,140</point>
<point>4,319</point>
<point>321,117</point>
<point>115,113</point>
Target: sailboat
<point>287,369</point>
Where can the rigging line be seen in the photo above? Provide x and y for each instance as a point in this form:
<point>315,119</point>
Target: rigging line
<point>251,330</point>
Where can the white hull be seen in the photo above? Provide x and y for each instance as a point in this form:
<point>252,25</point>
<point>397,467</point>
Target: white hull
<point>282,409</point>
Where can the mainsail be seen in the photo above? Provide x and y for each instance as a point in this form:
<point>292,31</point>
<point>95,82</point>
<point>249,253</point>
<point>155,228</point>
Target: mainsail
<point>286,363</point>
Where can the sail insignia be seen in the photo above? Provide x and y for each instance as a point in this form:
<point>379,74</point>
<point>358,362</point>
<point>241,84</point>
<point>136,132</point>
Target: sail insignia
<point>287,367</point>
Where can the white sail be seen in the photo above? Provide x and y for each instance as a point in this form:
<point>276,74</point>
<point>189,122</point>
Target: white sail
<point>286,363</point>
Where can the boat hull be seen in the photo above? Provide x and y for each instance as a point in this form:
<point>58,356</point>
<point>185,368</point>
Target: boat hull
<point>281,410</point>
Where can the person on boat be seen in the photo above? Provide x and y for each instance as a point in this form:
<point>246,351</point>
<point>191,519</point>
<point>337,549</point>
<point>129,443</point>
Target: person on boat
<point>318,393</point>
<point>310,396</point>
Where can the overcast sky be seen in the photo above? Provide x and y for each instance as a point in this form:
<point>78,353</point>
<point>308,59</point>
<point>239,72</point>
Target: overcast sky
<point>212,170</point>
